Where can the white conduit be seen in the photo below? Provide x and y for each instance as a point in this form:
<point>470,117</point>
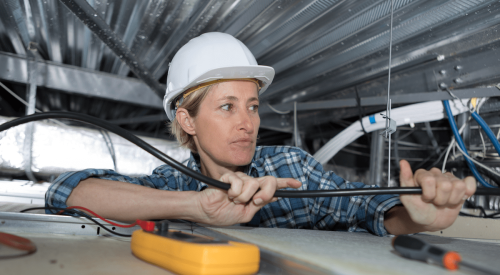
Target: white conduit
<point>415,113</point>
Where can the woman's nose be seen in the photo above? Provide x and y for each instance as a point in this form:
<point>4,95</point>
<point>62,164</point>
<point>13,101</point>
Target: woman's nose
<point>245,121</point>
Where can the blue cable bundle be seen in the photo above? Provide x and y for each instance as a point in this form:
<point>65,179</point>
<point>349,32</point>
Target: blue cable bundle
<point>460,142</point>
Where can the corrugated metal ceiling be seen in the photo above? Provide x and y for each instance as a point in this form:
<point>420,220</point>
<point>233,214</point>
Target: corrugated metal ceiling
<point>320,49</point>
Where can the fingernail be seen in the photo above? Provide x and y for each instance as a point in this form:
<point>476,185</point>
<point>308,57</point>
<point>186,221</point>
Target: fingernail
<point>236,202</point>
<point>257,201</point>
<point>231,198</point>
<point>465,198</point>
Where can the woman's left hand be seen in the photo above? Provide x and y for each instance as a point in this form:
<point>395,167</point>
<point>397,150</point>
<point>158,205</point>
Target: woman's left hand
<point>442,196</point>
<point>240,203</point>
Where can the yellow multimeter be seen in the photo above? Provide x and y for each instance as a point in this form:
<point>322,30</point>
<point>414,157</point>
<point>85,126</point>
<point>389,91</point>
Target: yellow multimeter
<point>184,253</point>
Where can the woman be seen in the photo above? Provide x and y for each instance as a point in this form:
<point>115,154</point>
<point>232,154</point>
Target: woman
<point>212,100</point>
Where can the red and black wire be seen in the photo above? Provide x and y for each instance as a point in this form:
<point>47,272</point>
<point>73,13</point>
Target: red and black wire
<point>78,210</point>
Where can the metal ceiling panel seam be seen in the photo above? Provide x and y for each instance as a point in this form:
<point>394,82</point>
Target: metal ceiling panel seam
<point>16,15</point>
<point>134,22</point>
<point>92,56</point>
<point>48,15</point>
<point>306,14</point>
<point>9,41</point>
<point>233,14</point>
<point>163,31</point>
<point>146,31</point>
<point>244,18</point>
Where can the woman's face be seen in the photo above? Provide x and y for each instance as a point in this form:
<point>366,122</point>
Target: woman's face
<point>228,122</point>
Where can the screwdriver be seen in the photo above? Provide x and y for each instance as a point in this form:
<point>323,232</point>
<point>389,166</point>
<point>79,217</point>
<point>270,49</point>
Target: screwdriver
<point>416,249</point>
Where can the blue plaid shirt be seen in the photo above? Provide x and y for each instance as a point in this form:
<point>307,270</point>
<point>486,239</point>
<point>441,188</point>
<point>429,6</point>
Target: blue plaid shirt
<point>354,214</point>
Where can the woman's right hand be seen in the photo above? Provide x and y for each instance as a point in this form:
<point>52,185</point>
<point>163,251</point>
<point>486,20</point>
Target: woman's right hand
<point>239,204</point>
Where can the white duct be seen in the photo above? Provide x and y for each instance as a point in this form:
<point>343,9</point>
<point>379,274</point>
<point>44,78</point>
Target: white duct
<point>416,113</point>
<point>60,148</point>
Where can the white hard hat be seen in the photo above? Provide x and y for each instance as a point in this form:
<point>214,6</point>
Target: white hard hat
<point>210,57</point>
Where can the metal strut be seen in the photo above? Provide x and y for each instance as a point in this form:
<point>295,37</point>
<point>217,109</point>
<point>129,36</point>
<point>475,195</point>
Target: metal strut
<point>390,124</point>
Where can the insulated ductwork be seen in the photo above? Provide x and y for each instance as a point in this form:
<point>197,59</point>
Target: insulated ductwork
<point>58,149</point>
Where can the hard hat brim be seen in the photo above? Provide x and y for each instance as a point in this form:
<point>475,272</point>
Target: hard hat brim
<point>263,73</point>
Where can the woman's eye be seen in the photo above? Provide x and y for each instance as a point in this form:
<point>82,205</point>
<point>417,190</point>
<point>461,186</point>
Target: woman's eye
<point>226,107</point>
<point>254,108</point>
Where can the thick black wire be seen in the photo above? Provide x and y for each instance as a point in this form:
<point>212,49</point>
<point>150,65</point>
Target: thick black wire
<point>468,204</point>
<point>81,213</point>
<point>491,216</point>
<point>361,114</point>
<point>396,149</point>
<point>185,170</point>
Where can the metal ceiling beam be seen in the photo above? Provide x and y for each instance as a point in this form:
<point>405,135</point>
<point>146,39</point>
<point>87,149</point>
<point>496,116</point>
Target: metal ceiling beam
<point>315,64</point>
<point>73,79</point>
<point>470,44</point>
<point>98,26</point>
<point>382,100</point>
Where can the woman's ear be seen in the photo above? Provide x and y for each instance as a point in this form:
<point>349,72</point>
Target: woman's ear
<point>186,121</point>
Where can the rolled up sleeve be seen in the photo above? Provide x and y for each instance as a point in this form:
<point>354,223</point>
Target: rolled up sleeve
<point>61,188</point>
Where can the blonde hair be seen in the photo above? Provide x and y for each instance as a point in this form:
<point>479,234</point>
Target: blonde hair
<point>192,104</point>
<point>192,99</point>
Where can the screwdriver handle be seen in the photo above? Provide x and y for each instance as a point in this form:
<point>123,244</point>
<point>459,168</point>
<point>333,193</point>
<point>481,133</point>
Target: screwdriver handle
<point>413,248</point>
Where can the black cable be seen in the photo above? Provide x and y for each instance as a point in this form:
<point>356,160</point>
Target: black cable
<point>198,176</point>
<point>432,137</point>
<point>494,215</point>
<point>361,114</point>
<point>396,149</point>
<point>491,216</point>
<point>78,212</point>
<point>469,204</point>
<point>492,177</point>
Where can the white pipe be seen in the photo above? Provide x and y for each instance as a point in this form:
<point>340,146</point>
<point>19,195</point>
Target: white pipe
<point>415,113</point>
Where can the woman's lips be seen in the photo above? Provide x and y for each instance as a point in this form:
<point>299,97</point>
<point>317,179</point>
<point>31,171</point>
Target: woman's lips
<point>243,141</point>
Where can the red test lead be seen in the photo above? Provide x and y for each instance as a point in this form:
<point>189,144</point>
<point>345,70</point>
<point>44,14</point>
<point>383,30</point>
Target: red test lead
<point>146,225</point>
